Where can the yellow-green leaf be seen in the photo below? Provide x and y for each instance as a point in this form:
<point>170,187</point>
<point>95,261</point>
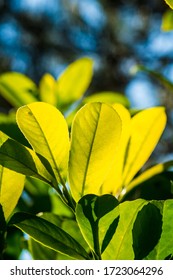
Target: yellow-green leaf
<point>107,97</point>
<point>146,130</point>
<point>74,81</point>
<point>149,173</point>
<point>113,181</point>
<point>96,131</point>
<point>47,132</point>
<point>167,21</point>
<point>17,89</point>
<point>47,89</point>
<point>170,3</point>
<point>11,187</point>
<point>21,159</point>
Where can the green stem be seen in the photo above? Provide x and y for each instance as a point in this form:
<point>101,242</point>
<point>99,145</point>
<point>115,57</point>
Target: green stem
<point>96,241</point>
<point>69,198</point>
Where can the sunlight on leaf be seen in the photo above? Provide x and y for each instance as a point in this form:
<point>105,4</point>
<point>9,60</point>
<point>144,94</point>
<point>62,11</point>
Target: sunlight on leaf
<point>11,187</point>
<point>47,89</point>
<point>90,211</point>
<point>93,147</point>
<point>113,181</point>
<point>21,159</point>
<point>74,81</point>
<point>167,21</point>
<point>146,130</point>
<point>49,235</point>
<point>108,97</point>
<point>165,246</point>
<point>46,130</point>
<point>121,246</point>
<point>17,89</point>
<point>149,173</point>
<point>170,3</point>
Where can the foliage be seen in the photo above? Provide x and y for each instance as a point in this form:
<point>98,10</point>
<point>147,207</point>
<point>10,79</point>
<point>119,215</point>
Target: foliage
<point>170,3</point>
<point>167,20</point>
<point>85,166</point>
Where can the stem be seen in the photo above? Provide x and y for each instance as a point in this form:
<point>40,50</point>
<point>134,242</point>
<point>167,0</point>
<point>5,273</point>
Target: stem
<point>96,241</point>
<point>65,195</point>
<point>69,198</point>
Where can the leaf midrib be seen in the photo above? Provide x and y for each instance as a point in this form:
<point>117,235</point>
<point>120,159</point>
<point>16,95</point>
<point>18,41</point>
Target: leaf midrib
<point>49,149</point>
<point>26,166</point>
<point>90,152</point>
<point>53,239</point>
<point>128,227</point>
<point>137,153</point>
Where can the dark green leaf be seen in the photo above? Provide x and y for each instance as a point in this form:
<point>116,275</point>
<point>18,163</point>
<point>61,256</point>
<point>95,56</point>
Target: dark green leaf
<point>120,246</point>
<point>90,210</point>
<point>49,235</point>
<point>23,160</point>
<point>165,246</point>
<point>146,230</point>
<point>2,220</point>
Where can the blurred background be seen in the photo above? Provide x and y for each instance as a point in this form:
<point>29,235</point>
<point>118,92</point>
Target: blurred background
<point>40,36</point>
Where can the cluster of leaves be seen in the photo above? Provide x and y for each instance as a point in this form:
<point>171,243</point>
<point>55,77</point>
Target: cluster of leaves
<point>91,160</point>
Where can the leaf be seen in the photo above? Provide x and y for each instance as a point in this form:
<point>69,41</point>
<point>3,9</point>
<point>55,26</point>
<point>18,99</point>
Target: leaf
<point>74,81</point>
<point>93,147</point>
<point>68,225</point>
<point>157,75</point>
<point>47,89</point>
<point>8,126</point>
<point>49,235</point>
<point>40,252</point>
<point>113,181</point>
<point>59,207</point>
<point>89,211</point>
<point>170,3</point>
<point>21,159</point>
<point>165,246</point>
<point>146,231</point>
<point>17,89</point>
<point>107,97</point>
<point>146,130</point>
<point>120,246</point>
<point>11,187</point>
<point>149,173</point>
<point>46,130</point>
<point>2,222</point>
<point>167,21</point>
